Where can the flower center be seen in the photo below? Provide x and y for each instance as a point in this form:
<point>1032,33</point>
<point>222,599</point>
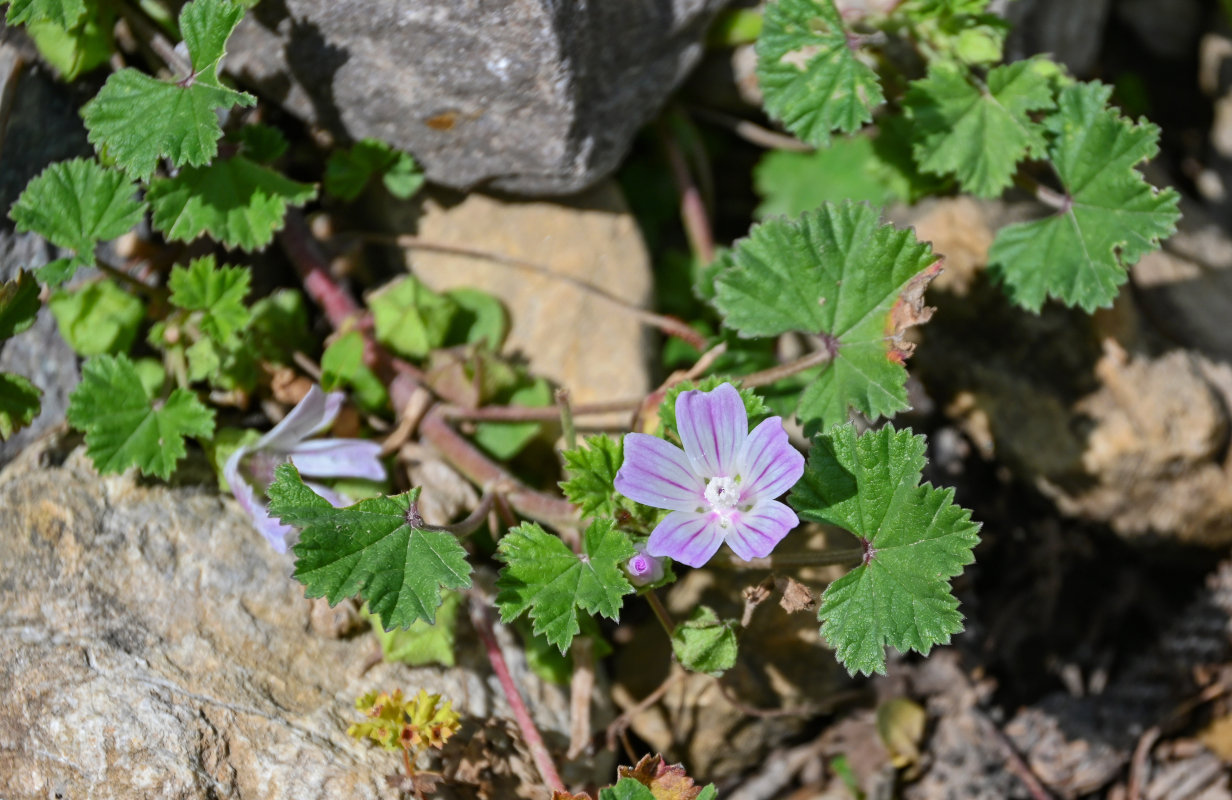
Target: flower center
<point>723,494</point>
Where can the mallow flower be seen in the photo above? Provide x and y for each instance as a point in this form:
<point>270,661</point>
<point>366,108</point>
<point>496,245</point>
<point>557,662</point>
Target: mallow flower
<point>643,568</point>
<point>721,487</point>
<point>250,469</point>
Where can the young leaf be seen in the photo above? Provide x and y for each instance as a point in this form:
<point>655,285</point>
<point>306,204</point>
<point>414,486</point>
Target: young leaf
<point>378,549</point>
<point>217,292</point>
<point>19,304</point>
<point>98,318</point>
<point>65,13</point>
<point>546,578</point>
<point>238,202</point>
<point>979,132</point>
<point>342,364</point>
<point>704,643</point>
<point>848,169</point>
<point>837,273</point>
<point>915,541</point>
<point>348,171</point>
<point>262,143</point>
<point>812,80</point>
<point>76,204</point>
<point>1109,218</point>
<point>124,428</point>
<point>423,642</point>
<point>504,440</point>
<point>137,119</point>
<point>592,474</point>
<point>665,781</point>
<point>411,318</point>
<point>79,49</point>
<point>19,403</point>
<point>626,789</point>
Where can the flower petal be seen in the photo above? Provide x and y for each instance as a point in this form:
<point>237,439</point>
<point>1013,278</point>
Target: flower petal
<point>336,500</point>
<point>713,425</point>
<point>657,473</point>
<point>339,458</point>
<point>686,536</point>
<point>270,528</point>
<point>314,413</point>
<point>754,533</point>
<point>768,464</point>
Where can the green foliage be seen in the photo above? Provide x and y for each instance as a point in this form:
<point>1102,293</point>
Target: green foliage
<point>348,171</point>
<point>20,401</point>
<point>78,49</point>
<point>65,13</point>
<point>837,273</point>
<point>754,406</point>
<point>955,31</point>
<point>1110,216</point>
<point>124,427</point>
<point>136,119</point>
<point>76,204</point>
<point>592,475</point>
<point>979,131</point>
<point>19,304</point>
<point>848,168</point>
<point>237,201</point>
<point>480,317</point>
<point>97,318</point>
<point>217,293</point>
<point>410,318</point>
<point>378,549</point>
<point>280,327</point>
<point>630,788</point>
<point>342,364</point>
<point>916,540</point>
<point>704,643</point>
<point>813,81</point>
<point>262,143</point>
<point>423,642</point>
<point>504,440</point>
<point>543,576</point>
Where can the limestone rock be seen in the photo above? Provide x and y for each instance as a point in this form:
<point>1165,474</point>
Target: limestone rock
<point>157,648</point>
<point>536,97</point>
<point>586,343</point>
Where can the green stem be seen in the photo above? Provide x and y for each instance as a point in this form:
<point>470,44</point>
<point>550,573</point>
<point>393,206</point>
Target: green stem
<point>660,611</point>
<point>568,429</point>
<point>473,522</point>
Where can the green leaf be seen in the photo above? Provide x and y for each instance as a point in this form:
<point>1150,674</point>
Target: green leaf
<point>98,318</point>
<point>377,549</point>
<point>124,428</point>
<point>279,327</point>
<point>80,48</point>
<point>57,272</point>
<point>76,204</point>
<point>546,578</point>
<point>916,540</point>
<point>480,318</point>
<point>20,401</point>
<point>979,132</point>
<point>217,292</point>
<point>342,365</point>
<point>847,169</point>
<point>237,201</point>
<point>410,318</point>
<point>262,143</point>
<point>754,406</point>
<point>592,474</point>
<point>704,643</point>
<point>65,13</point>
<point>137,119</point>
<point>627,789</point>
<point>813,81</point>
<point>19,304</point>
<point>839,274</point>
<point>347,172</point>
<point>423,642</point>
<point>1110,216</point>
<point>504,440</point>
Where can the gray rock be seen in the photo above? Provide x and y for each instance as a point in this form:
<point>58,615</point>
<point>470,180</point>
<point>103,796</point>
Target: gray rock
<point>156,647</point>
<point>537,97</point>
<point>1071,32</point>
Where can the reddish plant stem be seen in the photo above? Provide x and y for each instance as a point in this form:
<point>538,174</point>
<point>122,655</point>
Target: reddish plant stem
<point>530,733</point>
<point>661,612</point>
<point>692,210</point>
<point>313,269</point>
<point>535,414</point>
<point>773,374</point>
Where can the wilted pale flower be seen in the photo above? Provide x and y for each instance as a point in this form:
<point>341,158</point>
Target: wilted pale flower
<point>643,568</point>
<point>250,469</point>
<point>721,487</point>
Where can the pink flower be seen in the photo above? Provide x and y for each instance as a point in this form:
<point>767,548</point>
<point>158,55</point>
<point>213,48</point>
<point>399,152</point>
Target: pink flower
<point>721,487</point>
<point>250,469</point>
<point>643,568</point>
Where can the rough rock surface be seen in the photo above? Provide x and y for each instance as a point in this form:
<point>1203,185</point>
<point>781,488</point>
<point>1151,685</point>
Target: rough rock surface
<point>157,648</point>
<point>537,97</point>
<point>592,347</point>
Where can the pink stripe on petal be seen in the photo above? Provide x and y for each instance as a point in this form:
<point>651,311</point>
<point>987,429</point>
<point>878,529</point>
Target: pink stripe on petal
<point>768,464</point>
<point>688,537</point>
<point>754,533</point>
<point>712,426</point>
<point>657,473</point>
